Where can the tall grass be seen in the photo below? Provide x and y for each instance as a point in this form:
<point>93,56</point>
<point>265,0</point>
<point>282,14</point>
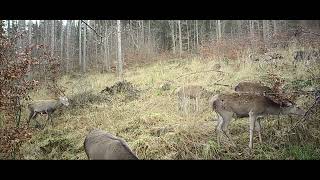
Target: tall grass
<point>155,129</point>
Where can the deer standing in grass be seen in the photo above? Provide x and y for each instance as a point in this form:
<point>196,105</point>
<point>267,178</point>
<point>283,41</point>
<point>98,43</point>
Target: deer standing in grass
<point>104,146</point>
<point>253,106</point>
<point>46,107</point>
<point>191,92</point>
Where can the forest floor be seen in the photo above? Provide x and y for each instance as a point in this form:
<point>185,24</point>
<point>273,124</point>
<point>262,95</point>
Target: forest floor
<point>154,127</point>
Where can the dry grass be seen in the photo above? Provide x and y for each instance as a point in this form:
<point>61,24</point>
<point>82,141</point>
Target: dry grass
<point>155,129</point>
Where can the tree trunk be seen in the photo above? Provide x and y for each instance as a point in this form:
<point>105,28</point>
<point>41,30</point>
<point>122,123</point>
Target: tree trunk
<point>80,46</point>
<point>29,32</point>
<point>197,34</point>
<point>68,43</point>
<point>188,34</point>
<point>84,63</point>
<point>218,30</point>
<point>119,50</point>
<point>173,37</point>
<point>52,38</point>
<point>61,40</point>
<point>251,28</point>
<point>180,39</point>
<point>275,27</point>
<point>265,30</point>
<point>106,48</point>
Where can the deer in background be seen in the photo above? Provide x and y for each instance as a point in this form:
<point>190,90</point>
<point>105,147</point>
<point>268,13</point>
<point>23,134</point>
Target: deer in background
<point>253,106</point>
<point>191,92</point>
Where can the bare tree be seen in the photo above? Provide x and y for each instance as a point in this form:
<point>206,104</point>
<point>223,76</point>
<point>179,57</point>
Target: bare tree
<point>68,43</point>
<point>172,27</point>
<point>218,29</point>
<point>197,34</point>
<point>119,68</point>
<point>52,38</point>
<point>84,48</point>
<point>80,46</point>
<point>265,29</point>
<point>29,32</point>
<point>180,38</point>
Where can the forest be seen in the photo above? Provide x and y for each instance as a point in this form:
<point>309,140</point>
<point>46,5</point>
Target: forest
<point>159,89</point>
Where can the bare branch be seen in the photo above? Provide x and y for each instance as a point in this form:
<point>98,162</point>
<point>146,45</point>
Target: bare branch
<point>199,72</point>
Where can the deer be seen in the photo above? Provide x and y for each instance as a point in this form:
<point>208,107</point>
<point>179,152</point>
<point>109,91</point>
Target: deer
<point>252,87</point>
<point>191,92</point>
<point>253,106</point>
<point>48,107</point>
<point>101,145</point>
<point>258,88</point>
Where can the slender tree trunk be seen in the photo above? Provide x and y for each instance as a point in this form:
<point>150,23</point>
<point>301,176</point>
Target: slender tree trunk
<point>197,34</point>
<point>119,50</point>
<point>180,38</point>
<point>275,27</point>
<point>30,32</point>
<point>106,48</point>
<point>61,41</point>
<point>251,28</point>
<point>68,43</point>
<point>52,38</point>
<point>188,34</point>
<point>149,37</point>
<point>173,37</point>
<point>80,46</point>
<point>84,63</point>
<point>218,30</point>
<point>265,30</point>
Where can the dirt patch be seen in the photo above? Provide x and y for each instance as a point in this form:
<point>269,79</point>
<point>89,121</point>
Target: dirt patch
<point>122,87</point>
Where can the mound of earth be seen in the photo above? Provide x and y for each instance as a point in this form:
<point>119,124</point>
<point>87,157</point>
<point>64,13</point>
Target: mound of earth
<point>122,87</point>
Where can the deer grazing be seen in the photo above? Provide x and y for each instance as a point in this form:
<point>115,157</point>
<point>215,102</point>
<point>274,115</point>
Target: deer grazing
<point>104,146</point>
<point>45,107</point>
<point>191,92</point>
<point>249,105</point>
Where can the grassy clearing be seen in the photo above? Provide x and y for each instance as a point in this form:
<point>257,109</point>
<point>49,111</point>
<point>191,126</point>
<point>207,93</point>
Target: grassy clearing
<point>155,129</point>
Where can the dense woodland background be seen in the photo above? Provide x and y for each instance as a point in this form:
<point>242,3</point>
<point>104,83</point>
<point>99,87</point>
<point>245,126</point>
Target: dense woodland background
<point>39,54</point>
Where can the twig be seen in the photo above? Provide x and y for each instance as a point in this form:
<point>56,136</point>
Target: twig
<point>91,28</point>
<point>310,32</point>
<point>101,36</point>
<point>198,72</point>
<point>221,84</point>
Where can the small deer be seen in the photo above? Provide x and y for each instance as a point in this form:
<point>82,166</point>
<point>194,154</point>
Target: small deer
<point>247,105</point>
<point>46,107</point>
<point>104,146</point>
<point>191,92</point>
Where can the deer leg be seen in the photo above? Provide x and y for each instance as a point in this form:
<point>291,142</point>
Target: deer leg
<point>258,129</point>
<point>50,118</point>
<point>219,128</point>
<point>32,115</point>
<point>197,104</point>
<point>252,119</point>
<point>225,126</point>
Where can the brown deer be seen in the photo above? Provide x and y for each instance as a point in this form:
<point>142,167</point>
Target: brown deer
<point>191,92</point>
<point>247,105</point>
